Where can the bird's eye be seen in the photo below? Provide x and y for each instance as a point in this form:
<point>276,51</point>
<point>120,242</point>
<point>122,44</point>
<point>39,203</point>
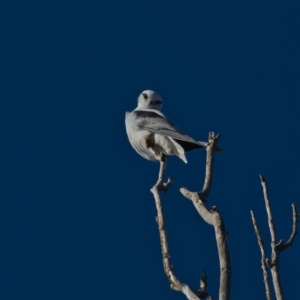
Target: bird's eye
<point>158,102</point>
<point>145,96</point>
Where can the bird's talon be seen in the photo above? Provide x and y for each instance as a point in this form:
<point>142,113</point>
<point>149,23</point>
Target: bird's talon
<point>160,157</point>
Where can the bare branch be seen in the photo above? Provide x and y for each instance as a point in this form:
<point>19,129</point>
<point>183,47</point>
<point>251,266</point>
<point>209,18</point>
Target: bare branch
<point>199,205</point>
<point>263,256</point>
<point>189,293</point>
<point>289,243</point>
<point>160,185</point>
<point>214,218</point>
<point>295,221</point>
<point>157,188</point>
<point>176,285</point>
<point>268,208</point>
<point>210,153</point>
<point>274,265</point>
<point>211,148</point>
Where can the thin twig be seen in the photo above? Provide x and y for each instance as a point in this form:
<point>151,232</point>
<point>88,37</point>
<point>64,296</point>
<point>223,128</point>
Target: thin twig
<point>269,210</point>
<point>263,256</point>
<point>211,148</point>
<point>289,243</point>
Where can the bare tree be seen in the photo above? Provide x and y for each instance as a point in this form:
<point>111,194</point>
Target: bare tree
<point>213,217</point>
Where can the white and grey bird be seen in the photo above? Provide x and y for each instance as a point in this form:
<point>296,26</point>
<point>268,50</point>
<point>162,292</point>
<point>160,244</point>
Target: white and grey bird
<point>152,134</point>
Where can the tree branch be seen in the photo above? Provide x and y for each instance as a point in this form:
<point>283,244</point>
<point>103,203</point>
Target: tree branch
<point>211,148</point>
<point>280,246</point>
<point>214,218</point>
<point>289,243</point>
<point>176,285</point>
<point>263,256</point>
<point>268,208</point>
<point>274,265</point>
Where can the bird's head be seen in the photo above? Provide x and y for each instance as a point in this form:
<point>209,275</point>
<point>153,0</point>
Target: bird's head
<point>150,100</point>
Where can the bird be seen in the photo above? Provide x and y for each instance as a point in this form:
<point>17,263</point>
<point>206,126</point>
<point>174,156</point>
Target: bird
<point>152,134</point>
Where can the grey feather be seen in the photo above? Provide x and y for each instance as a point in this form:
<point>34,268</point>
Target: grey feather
<point>157,123</point>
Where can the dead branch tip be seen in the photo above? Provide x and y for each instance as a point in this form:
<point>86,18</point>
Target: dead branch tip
<point>262,178</point>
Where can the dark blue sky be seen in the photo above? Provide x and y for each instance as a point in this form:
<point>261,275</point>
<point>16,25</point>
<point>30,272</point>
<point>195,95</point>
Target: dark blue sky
<point>77,219</point>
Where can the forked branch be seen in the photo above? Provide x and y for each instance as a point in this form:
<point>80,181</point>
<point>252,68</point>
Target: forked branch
<point>176,285</point>
<point>214,218</point>
<point>276,247</point>
<point>263,256</point>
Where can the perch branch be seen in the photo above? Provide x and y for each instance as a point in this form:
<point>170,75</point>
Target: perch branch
<point>263,256</point>
<point>214,218</point>
<point>176,285</point>
<point>211,148</point>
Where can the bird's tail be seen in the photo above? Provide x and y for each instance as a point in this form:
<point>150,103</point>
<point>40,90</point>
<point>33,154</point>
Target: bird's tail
<point>178,150</point>
<point>203,144</point>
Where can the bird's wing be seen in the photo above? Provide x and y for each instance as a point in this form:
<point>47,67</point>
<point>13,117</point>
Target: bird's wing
<point>157,123</point>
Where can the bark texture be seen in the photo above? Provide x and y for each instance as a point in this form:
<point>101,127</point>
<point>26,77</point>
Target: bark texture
<point>263,256</point>
<point>176,285</point>
<point>276,247</point>
<point>213,218</point>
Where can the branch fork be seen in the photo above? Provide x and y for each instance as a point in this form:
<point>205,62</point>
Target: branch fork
<point>213,218</point>
<point>276,247</point>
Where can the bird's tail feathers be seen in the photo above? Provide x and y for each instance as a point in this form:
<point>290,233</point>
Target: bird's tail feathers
<point>203,144</point>
<point>179,151</point>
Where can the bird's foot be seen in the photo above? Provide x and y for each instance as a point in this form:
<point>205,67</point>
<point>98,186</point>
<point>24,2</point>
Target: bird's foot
<point>157,155</point>
<point>160,157</point>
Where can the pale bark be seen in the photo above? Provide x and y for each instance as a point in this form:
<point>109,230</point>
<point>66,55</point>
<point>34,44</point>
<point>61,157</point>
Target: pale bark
<point>277,247</point>
<point>176,285</point>
<point>274,265</point>
<point>214,218</point>
<point>263,257</point>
